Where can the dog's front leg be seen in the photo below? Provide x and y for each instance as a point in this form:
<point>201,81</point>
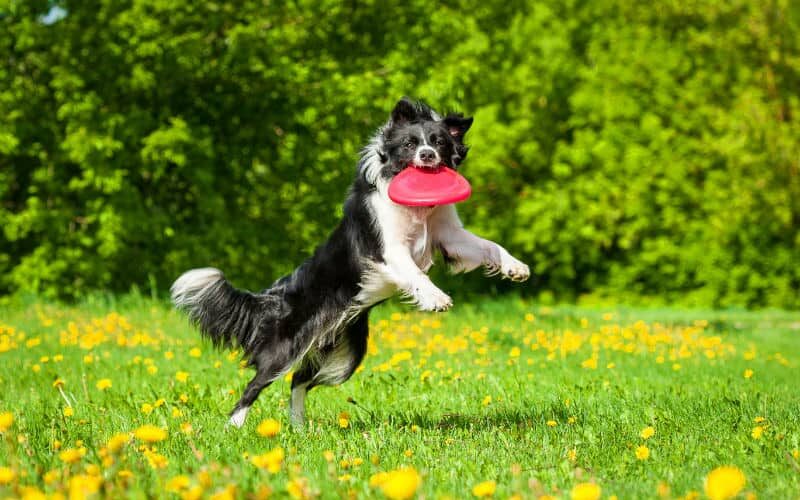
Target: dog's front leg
<point>412,282</point>
<point>465,251</point>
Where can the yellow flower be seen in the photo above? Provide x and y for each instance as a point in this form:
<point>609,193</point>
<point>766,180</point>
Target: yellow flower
<point>177,483</point>
<point>401,483</point>
<point>647,433</point>
<point>195,352</point>
<point>147,408</point>
<point>150,434</point>
<point>269,428</point>
<point>50,476</point>
<point>6,420</point>
<point>484,489</point>
<point>182,376</point>
<point>72,455</point>
<point>117,441</point>
<point>585,491</point>
<point>298,488</point>
<point>552,423</point>
<point>487,401</point>
<point>83,485</point>
<point>514,353</point>
<point>344,420</point>
<point>272,460</point>
<point>748,373</point>
<point>68,411</point>
<point>103,384</point>
<point>58,383</point>
<point>724,482</point>
<point>328,455</point>
<point>758,420</point>
<point>642,452</point>
<point>186,428</point>
<point>7,475</point>
<point>757,432</point>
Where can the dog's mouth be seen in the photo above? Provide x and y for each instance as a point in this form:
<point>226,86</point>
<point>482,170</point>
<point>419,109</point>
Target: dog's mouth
<point>424,166</point>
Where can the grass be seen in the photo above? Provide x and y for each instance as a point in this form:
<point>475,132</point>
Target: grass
<point>536,399</point>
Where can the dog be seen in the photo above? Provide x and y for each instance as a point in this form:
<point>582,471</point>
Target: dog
<point>316,319</point>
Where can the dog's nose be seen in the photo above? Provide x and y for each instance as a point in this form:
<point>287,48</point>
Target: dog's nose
<point>427,155</point>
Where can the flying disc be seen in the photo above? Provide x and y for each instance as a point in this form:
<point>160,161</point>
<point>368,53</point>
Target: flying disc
<point>417,186</point>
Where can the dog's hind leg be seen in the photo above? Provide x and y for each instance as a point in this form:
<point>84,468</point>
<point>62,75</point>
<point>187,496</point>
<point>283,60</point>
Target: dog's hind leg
<point>329,366</point>
<point>268,369</point>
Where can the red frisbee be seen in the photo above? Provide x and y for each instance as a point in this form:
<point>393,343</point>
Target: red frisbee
<point>416,186</point>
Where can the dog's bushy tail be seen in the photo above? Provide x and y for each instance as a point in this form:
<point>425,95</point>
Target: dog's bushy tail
<point>228,316</point>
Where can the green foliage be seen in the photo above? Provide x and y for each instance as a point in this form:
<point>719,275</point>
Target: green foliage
<point>622,149</point>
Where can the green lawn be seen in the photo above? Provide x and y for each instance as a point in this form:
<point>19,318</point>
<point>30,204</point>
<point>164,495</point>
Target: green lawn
<point>536,399</point>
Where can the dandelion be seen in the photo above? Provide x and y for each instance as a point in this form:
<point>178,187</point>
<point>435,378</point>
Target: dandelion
<point>271,461</point>
<point>585,491</point>
<point>552,423</point>
<point>400,484</point>
<point>344,420</point>
<point>642,452</point>
<point>68,411</point>
<point>150,434</point>
<point>572,455</point>
<point>182,376</point>
<point>748,373</point>
<point>487,401</point>
<point>147,408</point>
<point>298,488</point>
<point>117,441</point>
<point>7,475</point>
<point>72,455</point>
<point>58,383</point>
<point>758,420</point>
<point>647,432</point>
<point>328,455</point>
<point>177,483</point>
<point>103,384</point>
<point>484,489</point>
<point>195,352</point>
<point>757,432</point>
<point>408,453</point>
<point>269,428</point>
<point>724,482</point>
<point>571,420</point>
<point>186,428</point>
<point>6,421</point>
<point>83,485</point>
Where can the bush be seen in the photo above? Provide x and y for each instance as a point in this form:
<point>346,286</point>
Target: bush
<point>622,149</point>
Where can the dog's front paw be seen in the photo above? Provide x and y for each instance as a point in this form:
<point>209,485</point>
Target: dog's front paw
<point>515,270</point>
<point>435,300</point>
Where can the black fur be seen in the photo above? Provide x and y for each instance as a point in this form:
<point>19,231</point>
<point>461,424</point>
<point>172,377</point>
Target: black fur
<point>310,318</point>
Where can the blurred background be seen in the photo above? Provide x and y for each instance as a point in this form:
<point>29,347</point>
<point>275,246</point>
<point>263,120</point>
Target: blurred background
<point>630,151</point>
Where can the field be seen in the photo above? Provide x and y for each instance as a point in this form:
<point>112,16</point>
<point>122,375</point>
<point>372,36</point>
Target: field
<point>120,397</point>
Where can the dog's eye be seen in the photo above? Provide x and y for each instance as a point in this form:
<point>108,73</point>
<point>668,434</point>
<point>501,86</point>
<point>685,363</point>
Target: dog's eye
<point>440,141</point>
<point>409,144</point>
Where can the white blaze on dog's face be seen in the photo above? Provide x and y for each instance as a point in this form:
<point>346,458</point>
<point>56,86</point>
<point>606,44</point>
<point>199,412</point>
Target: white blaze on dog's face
<point>417,136</point>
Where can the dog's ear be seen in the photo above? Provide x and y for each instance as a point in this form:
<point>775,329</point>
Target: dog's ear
<point>458,125</point>
<point>404,111</point>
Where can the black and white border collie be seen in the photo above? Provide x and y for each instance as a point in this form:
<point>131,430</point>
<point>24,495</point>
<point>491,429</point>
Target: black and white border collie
<point>316,319</point>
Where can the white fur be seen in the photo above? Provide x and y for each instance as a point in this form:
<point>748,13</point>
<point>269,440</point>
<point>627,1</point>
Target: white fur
<point>469,251</point>
<point>239,416</point>
<point>336,367</point>
<point>188,289</point>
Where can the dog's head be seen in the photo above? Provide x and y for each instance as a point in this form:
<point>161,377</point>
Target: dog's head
<point>417,135</point>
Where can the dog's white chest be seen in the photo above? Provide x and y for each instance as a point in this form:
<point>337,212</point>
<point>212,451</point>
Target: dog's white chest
<point>417,236</point>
